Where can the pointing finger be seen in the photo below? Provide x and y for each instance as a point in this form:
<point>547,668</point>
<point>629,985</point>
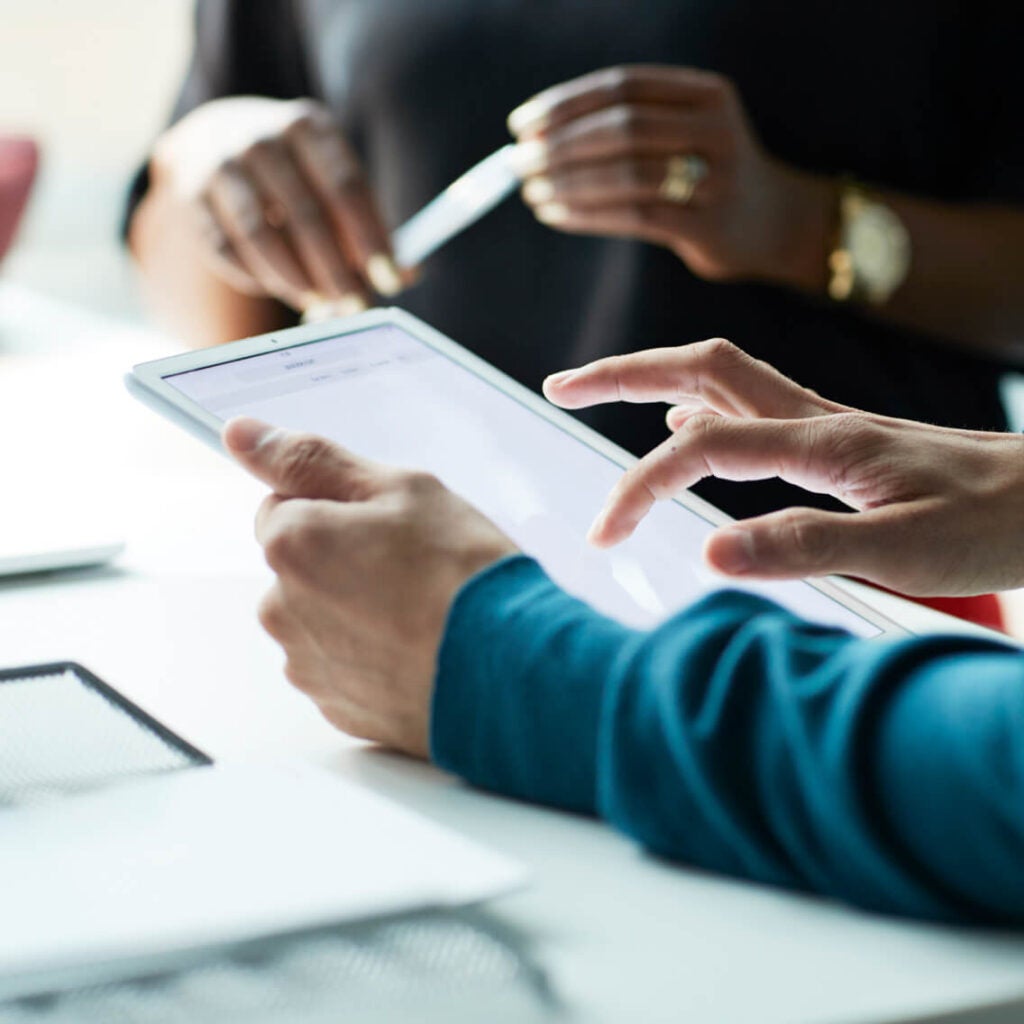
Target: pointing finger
<point>716,373</point>
<point>731,449</point>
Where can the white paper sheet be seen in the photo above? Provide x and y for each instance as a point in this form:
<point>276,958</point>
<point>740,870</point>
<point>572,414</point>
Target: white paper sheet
<point>211,856</point>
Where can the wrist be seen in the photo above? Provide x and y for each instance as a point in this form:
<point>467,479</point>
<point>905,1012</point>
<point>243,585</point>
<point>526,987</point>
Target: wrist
<point>801,231</point>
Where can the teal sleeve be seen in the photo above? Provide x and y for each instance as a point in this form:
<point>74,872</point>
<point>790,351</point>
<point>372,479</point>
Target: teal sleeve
<point>735,737</point>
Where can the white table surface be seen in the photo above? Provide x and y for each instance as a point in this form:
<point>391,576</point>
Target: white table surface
<point>622,936</point>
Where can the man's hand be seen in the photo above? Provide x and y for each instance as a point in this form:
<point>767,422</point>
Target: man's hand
<point>368,560</point>
<point>940,511</point>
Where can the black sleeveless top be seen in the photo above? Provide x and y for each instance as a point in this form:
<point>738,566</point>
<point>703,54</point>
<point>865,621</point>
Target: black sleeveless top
<point>918,97</point>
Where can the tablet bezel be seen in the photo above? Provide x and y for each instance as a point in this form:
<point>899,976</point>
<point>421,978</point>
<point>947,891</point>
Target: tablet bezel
<point>146,382</point>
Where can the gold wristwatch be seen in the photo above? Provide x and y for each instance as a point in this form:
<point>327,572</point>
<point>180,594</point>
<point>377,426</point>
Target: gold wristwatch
<point>871,255</point>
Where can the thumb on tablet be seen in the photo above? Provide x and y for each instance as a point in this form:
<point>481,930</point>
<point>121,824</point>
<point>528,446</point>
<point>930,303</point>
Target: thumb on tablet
<point>300,465</point>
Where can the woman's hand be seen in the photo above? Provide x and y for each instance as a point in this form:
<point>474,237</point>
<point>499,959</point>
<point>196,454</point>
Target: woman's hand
<point>668,155</point>
<point>940,511</point>
<point>279,201</point>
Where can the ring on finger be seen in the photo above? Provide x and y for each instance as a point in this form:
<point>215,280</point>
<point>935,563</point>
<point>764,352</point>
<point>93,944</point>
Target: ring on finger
<point>682,176</point>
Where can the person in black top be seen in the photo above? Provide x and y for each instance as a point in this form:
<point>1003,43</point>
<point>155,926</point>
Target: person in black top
<point>306,127</point>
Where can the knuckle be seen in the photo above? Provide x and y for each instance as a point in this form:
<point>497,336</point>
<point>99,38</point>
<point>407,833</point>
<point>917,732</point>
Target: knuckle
<point>625,119</point>
<point>301,462</point>
<point>204,197</point>
<point>258,151</point>
<point>246,216</point>
<point>720,352</point>
<point>715,79</point>
<point>645,214</point>
<point>342,720</point>
<point>846,440</point>
<point>221,247</point>
<point>306,213</point>
<point>717,361</point>
<point>631,176</point>
<point>420,484</point>
<point>229,168</point>
<point>307,115</point>
<point>306,107</point>
<point>251,223</point>
<point>281,551</point>
<point>210,230</point>
<point>699,428</point>
<point>346,179</point>
<point>295,545</point>
<point>213,235</point>
<point>811,539</point>
<point>271,614</point>
<point>845,434</point>
<point>617,81</point>
<point>854,424</point>
<point>719,86</point>
<point>307,540</point>
<point>298,128</point>
<point>300,679</point>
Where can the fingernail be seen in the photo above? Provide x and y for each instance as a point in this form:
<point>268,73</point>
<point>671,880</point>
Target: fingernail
<point>559,378</point>
<point>539,191</point>
<point>532,115</point>
<point>248,434</point>
<point>384,275</point>
<point>734,551</point>
<point>349,305</point>
<point>552,213</point>
<point>530,157</point>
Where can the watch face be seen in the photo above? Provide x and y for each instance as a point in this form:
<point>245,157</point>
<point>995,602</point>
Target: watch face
<point>879,248</point>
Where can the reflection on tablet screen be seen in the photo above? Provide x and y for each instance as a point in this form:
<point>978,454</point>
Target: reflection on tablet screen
<point>386,395</point>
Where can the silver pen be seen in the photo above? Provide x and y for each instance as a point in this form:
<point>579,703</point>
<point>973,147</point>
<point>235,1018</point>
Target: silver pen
<point>471,196</point>
<point>461,204</point>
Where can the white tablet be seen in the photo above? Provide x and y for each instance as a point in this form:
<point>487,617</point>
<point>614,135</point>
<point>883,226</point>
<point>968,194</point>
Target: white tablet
<point>387,386</point>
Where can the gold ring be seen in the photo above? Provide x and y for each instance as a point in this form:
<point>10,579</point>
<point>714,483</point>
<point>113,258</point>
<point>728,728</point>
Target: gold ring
<point>683,175</point>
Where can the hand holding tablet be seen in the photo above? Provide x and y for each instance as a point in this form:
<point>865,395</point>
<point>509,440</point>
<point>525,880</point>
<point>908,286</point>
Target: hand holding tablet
<point>534,471</point>
<point>367,567</point>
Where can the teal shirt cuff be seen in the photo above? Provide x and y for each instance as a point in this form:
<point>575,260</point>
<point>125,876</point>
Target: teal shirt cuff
<point>520,684</point>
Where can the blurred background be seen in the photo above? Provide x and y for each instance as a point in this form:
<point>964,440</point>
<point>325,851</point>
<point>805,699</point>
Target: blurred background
<point>93,82</point>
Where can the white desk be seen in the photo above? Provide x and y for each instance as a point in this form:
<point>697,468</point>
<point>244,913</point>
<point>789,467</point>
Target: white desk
<point>624,938</point>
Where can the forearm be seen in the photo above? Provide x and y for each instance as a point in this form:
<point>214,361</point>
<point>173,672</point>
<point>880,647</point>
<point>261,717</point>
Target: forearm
<point>740,740</point>
<point>188,297</point>
<point>967,263</point>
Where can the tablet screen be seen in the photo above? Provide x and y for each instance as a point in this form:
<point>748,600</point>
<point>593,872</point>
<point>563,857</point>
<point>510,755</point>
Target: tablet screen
<point>387,395</point>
